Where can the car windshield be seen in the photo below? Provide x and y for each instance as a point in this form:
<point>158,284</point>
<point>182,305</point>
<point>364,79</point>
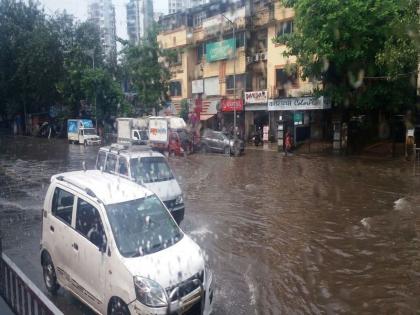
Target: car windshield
<point>142,226</point>
<point>89,132</point>
<point>150,169</point>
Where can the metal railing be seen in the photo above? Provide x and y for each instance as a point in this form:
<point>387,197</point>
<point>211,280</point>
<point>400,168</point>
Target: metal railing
<point>20,293</point>
<point>416,167</point>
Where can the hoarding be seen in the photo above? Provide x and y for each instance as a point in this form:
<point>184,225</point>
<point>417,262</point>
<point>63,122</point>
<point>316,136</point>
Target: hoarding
<point>256,97</point>
<point>197,86</point>
<point>211,86</point>
<point>220,50</point>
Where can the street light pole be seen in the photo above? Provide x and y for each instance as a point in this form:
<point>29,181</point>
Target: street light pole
<point>234,75</point>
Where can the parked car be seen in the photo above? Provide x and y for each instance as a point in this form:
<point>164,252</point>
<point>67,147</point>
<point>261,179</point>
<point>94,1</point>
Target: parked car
<point>146,167</point>
<point>115,247</point>
<point>217,141</point>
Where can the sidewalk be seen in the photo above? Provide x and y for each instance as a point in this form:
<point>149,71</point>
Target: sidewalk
<point>304,148</point>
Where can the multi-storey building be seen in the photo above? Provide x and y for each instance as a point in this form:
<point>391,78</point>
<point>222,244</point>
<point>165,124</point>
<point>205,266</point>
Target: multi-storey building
<point>176,5</point>
<point>140,18</point>
<point>248,73</point>
<point>102,14</point>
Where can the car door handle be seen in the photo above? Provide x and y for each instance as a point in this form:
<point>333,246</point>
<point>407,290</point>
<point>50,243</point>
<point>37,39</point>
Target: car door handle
<point>75,246</point>
<point>51,228</point>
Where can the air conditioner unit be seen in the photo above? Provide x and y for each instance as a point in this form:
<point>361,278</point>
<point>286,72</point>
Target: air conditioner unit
<point>263,56</point>
<point>248,59</point>
<point>256,57</point>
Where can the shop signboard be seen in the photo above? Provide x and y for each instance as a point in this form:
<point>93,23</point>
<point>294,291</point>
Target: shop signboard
<point>230,105</point>
<point>220,50</point>
<point>256,97</point>
<point>298,103</point>
<point>197,86</point>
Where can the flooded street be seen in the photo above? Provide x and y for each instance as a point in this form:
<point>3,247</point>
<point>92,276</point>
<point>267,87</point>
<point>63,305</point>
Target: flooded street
<point>303,234</point>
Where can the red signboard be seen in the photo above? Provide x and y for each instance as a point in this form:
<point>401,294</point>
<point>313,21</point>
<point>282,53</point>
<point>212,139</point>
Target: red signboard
<point>229,105</point>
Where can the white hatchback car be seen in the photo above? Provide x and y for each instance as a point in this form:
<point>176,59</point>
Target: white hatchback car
<point>115,246</point>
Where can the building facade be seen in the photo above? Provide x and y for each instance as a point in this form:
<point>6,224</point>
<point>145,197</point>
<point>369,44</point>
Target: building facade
<point>176,6</point>
<point>102,14</point>
<point>220,74</point>
<point>140,17</point>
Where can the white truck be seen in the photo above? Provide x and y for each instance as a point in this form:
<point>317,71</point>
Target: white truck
<point>132,130</point>
<point>81,131</point>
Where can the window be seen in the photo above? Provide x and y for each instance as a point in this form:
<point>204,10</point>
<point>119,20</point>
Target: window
<point>201,51</point>
<point>285,28</point>
<point>175,88</point>
<point>150,170</point>
<point>110,163</point>
<point>62,205</point>
<point>286,76</point>
<point>89,224</point>
<point>240,83</point>
<point>100,163</point>
<point>240,39</point>
<point>177,59</point>
<point>122,166</point>
<point>198,19</point>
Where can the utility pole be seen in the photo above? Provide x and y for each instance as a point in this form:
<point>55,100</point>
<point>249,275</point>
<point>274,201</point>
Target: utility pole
<point>234,75</point>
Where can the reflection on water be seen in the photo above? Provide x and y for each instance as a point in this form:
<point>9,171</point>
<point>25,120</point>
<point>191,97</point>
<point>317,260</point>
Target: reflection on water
<point>301,234</point>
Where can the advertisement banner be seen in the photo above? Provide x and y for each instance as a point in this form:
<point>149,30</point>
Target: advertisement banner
<point>230,105</point>
<point>298,103</point>
<point>220,50</point>
<point>256,97</point>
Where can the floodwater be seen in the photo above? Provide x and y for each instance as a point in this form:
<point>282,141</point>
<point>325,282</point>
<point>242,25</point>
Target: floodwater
<point>305,234</point>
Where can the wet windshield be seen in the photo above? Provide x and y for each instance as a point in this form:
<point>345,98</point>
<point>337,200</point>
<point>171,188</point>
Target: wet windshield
<point>89,132</point>
<point>150,169</point>
<point>142,226</point>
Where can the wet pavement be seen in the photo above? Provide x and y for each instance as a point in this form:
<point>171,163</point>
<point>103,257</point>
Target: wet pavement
<point>304,234</point>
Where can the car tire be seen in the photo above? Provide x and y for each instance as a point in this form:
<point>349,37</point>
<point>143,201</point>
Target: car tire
<point>49,275</point>
<point>118,307</point>
<point>226,151</point>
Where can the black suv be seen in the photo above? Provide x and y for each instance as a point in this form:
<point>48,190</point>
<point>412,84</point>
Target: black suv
<point>217,141</point>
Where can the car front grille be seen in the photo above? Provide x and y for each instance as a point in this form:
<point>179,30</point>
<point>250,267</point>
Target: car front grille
<point>186,287</point>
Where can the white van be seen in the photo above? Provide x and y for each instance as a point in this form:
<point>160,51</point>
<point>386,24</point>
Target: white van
<point>115,246</point>
<point>145,167</point>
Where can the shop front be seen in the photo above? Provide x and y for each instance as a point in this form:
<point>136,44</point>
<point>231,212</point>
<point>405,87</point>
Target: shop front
<point>227,110</point>
<point>304,117</point>
<point>256,113</point>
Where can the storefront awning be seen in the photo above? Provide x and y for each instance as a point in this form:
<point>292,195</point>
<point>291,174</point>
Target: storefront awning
<point>204,117</point>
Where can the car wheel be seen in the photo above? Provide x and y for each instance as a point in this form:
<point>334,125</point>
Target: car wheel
<point>118,307</point>
<point>50,278</point>
<point>227,151</point>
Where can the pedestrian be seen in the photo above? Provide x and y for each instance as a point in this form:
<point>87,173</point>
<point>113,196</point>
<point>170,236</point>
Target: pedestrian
<point>288,143</point>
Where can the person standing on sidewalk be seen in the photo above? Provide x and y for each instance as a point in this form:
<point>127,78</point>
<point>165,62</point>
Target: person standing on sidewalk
<point>287,143</point>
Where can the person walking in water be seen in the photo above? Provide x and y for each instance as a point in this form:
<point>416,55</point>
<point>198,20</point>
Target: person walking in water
<point>287,143</point>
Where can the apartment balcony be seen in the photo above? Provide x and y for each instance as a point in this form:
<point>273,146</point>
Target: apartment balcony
<point>176,38</point>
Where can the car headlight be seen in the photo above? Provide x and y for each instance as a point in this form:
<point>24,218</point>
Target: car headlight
<point>149,292</point>
<point>179,200</point>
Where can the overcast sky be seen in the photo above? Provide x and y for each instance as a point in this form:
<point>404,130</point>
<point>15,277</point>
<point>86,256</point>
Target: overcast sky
<point>78,8</point>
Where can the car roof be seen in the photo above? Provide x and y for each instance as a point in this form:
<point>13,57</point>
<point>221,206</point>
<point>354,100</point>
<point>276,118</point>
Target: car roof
<point>106,187</point>
<point>134,152</point>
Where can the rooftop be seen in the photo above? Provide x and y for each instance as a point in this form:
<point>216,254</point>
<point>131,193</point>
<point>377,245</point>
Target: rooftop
<point>108,188</point>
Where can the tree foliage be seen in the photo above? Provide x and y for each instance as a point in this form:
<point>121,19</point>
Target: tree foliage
<point>363,51</point>
<point>45,60</point>
<point>148,75</point>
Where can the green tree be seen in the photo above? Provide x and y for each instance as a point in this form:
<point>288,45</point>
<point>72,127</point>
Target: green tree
<point>30,61</point>
<point>363,51</point>
<point>145,69</point>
